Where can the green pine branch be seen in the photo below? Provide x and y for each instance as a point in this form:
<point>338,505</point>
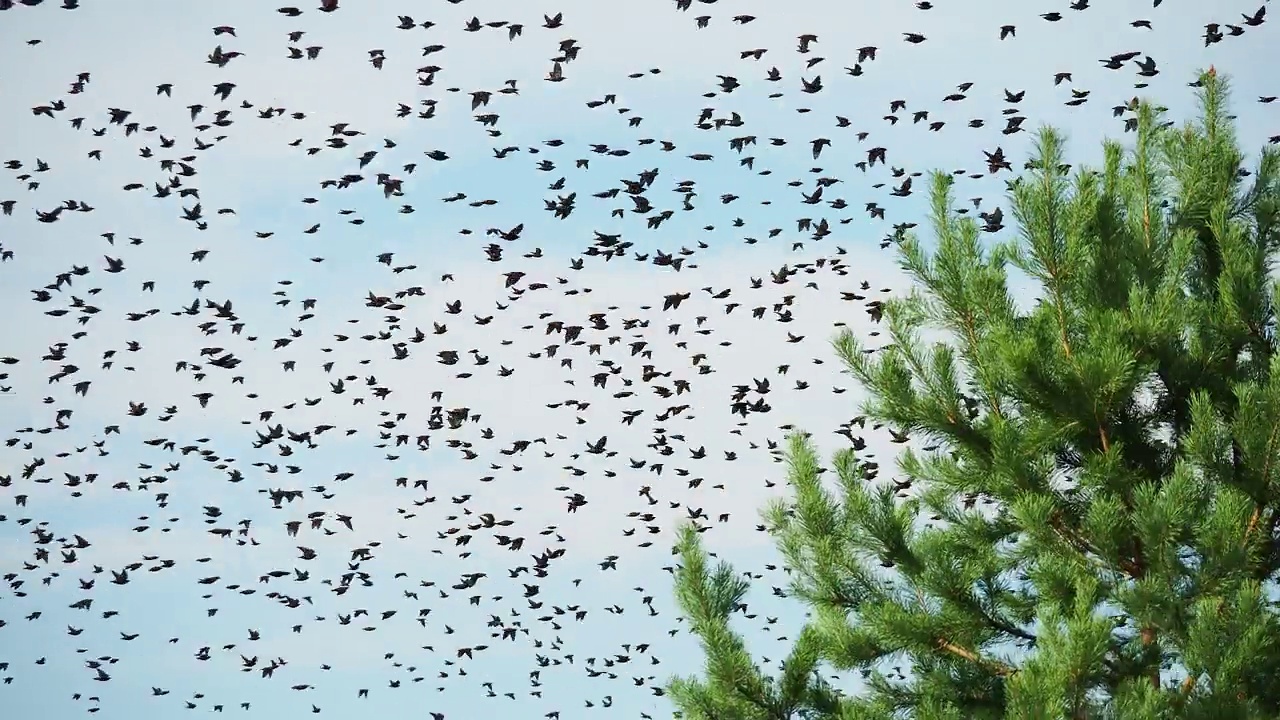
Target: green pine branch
<point>1090,529</point>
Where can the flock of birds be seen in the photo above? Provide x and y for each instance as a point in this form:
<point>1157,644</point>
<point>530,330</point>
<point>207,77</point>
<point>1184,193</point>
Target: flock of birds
<point>629,428</point>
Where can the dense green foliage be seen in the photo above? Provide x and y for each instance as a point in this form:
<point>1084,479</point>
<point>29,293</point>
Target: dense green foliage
<point>1093,533</point>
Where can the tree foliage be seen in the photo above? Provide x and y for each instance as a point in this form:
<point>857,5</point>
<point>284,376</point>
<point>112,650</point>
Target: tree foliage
<point>1093,533</point>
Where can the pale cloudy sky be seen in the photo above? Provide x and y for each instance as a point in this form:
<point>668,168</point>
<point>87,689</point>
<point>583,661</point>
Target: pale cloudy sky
<point>130,47</point>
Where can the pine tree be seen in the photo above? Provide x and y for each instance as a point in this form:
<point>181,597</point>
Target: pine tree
<point>1095,535</point>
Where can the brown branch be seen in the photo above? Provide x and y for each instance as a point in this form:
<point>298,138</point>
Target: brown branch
<point>1149,637</point>
<point>1146,222</point>
<point>1253,524</point>
<point>1270,452</point>
<point>957,650</point>
<point>997,667</point>
<point>1062,329</point>
<point>1266,471</point>
<point>971,335</point>
<point>1005,627</point>
<point>1082,546</point>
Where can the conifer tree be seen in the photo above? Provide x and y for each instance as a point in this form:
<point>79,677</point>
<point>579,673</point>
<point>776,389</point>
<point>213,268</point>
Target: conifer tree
<point>1095,535</point>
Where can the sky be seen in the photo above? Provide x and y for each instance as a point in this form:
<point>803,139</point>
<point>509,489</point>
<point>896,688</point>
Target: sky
<point>129,47</point>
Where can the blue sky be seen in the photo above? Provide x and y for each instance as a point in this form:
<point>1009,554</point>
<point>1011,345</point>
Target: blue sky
<point>130,47</point>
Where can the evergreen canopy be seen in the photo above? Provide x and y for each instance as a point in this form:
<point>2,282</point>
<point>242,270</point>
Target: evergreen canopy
<point>1096,534</point>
